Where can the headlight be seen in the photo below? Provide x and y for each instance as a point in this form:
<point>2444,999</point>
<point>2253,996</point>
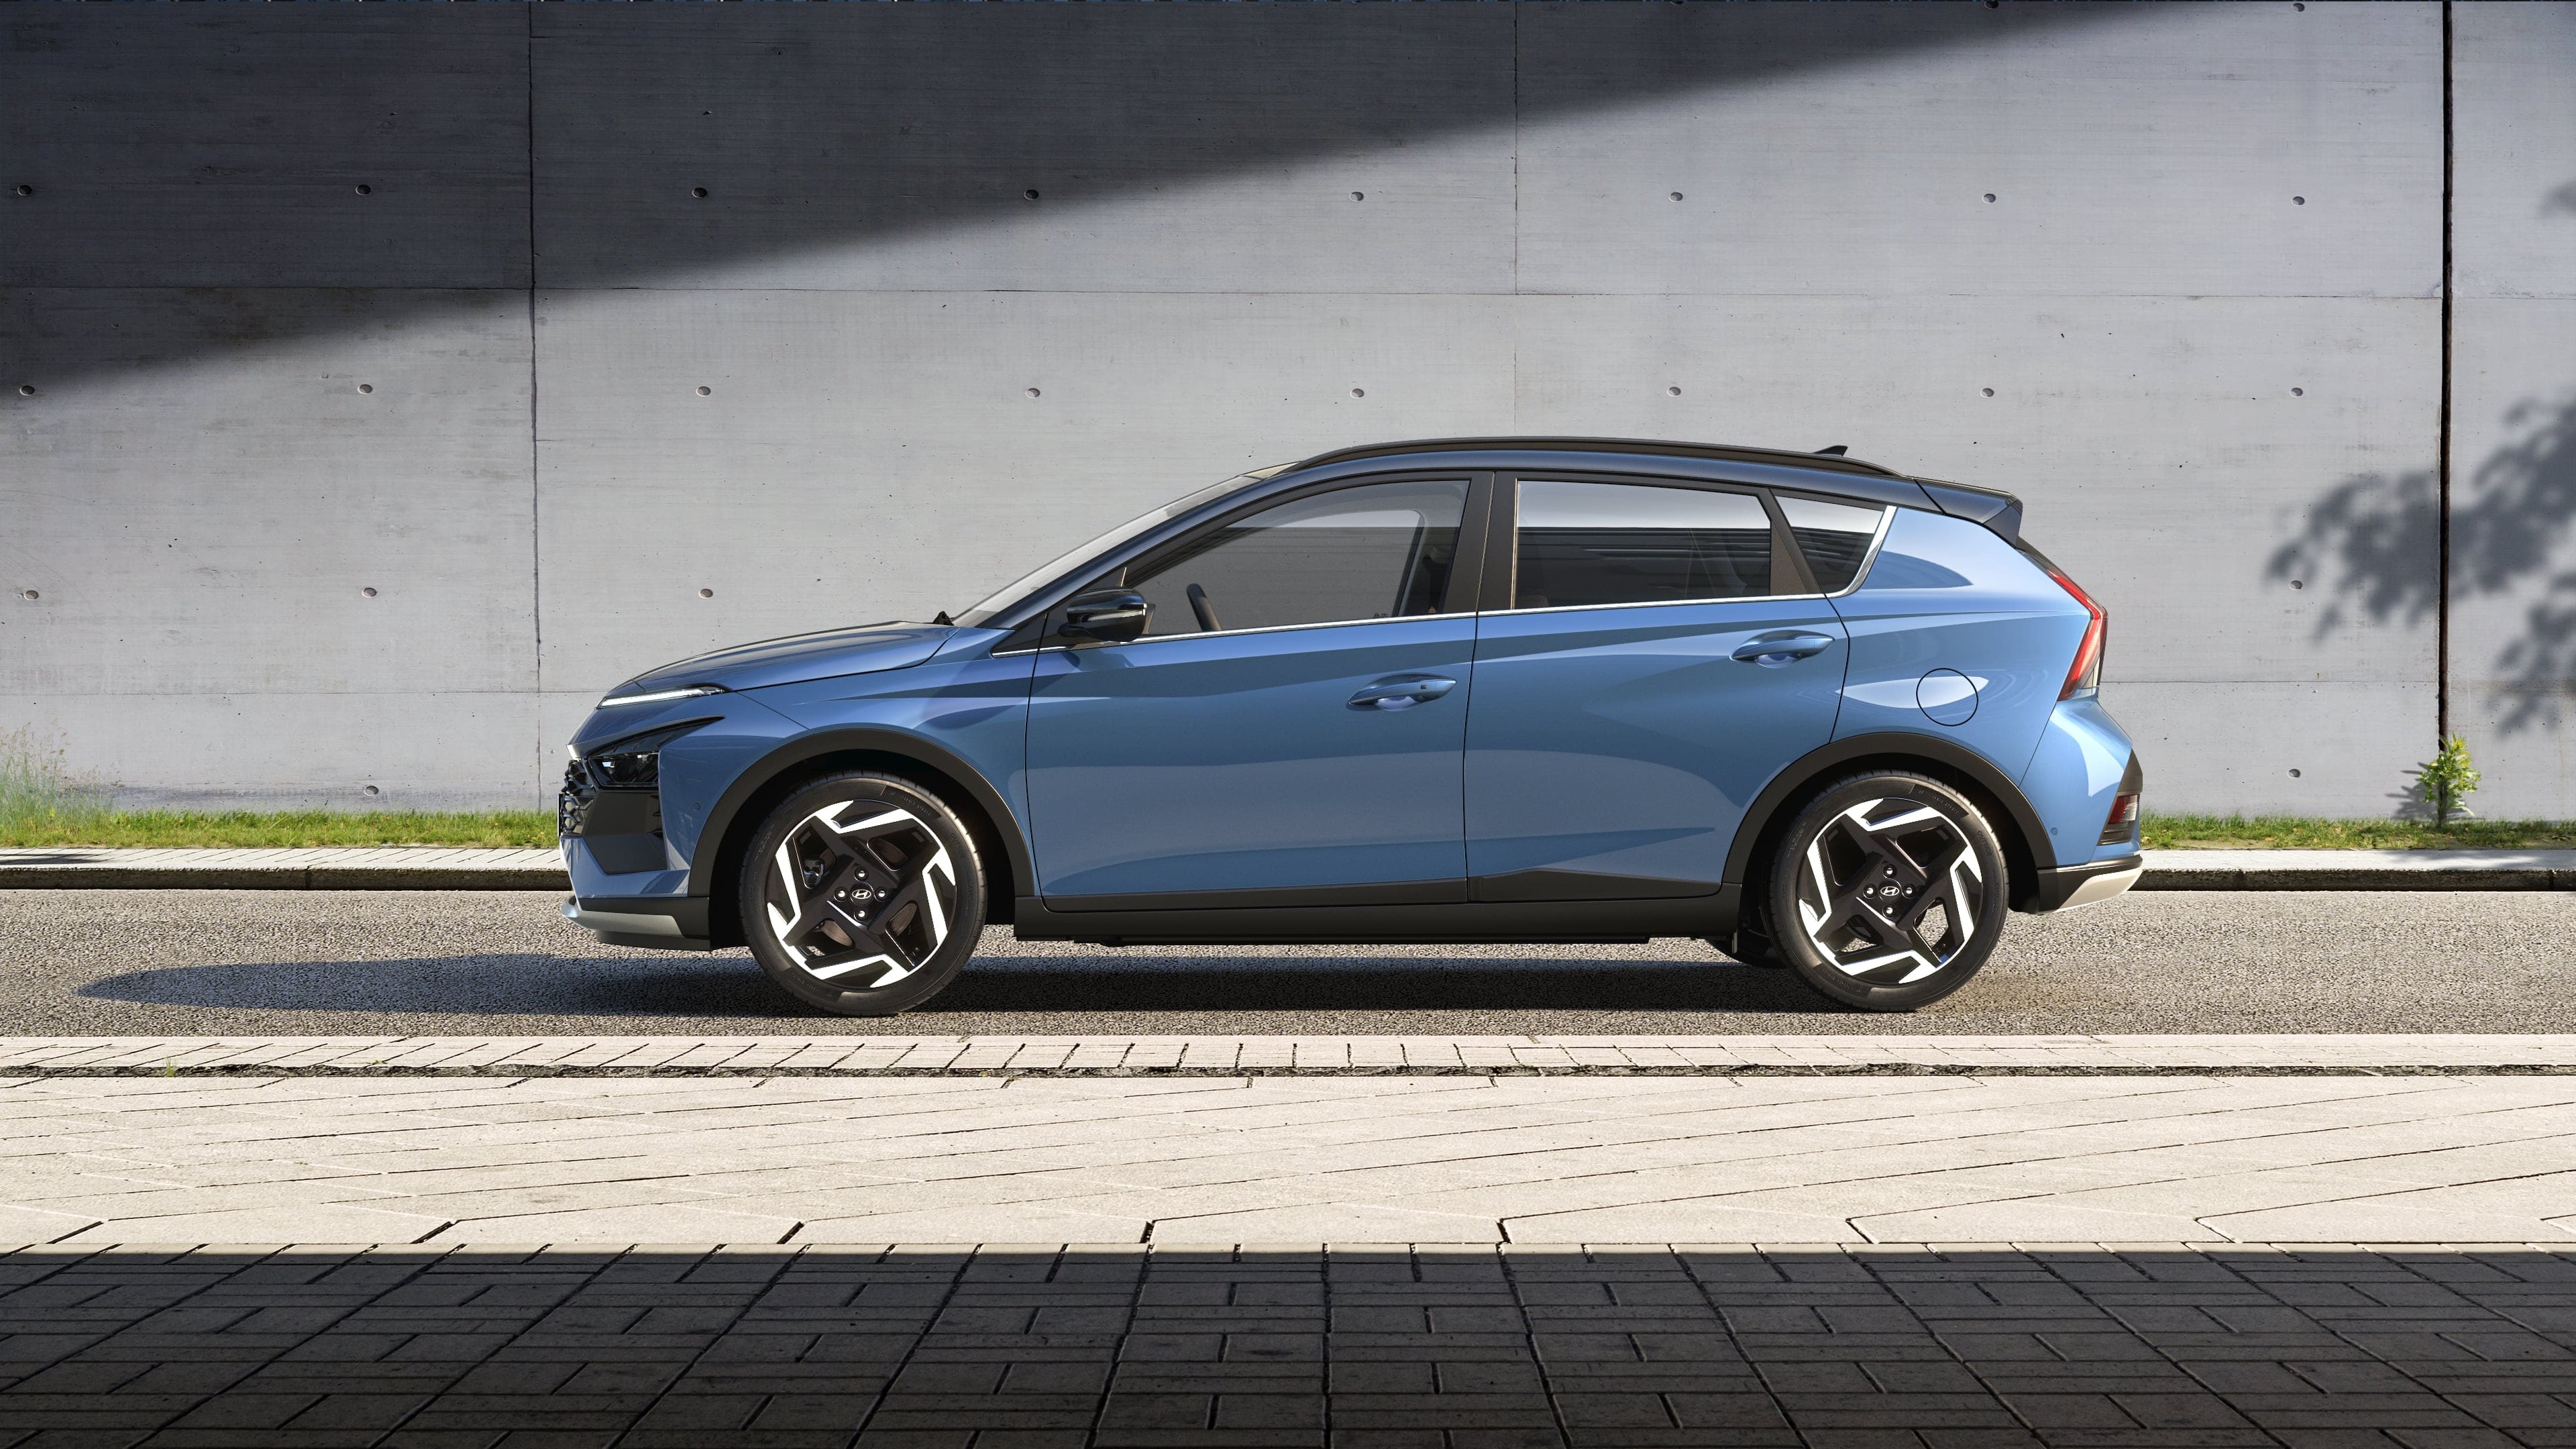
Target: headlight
<point>662,696</point>
<point>634,763</point>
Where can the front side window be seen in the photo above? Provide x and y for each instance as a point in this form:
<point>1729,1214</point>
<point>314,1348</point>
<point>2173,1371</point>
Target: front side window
<point>1378,551</point>
<point>1619,543</point>
<point>1834,536</point>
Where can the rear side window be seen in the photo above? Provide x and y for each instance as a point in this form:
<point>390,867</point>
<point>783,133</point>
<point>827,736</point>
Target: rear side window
<point>1622,543</point>
<point>1835,538</point>
<point>1377,551</point>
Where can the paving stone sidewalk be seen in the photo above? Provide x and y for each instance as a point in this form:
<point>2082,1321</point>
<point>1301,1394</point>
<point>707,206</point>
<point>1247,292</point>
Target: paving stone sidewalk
<point>408,868</point>
<point>2242,1054</point>
<point>1261,1159</point>
<point>2084,1346</point>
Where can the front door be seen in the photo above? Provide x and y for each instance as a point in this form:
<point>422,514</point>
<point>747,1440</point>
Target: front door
<point>1291,724</point>
<point>1661,660</point>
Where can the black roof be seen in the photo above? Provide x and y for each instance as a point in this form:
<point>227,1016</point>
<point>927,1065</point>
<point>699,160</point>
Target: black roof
<point>1715,452</point>
<point>1994,508</point>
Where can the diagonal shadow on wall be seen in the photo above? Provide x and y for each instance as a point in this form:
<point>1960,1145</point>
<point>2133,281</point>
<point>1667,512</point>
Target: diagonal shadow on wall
<point>404,160</point>
<point>2512,516</point>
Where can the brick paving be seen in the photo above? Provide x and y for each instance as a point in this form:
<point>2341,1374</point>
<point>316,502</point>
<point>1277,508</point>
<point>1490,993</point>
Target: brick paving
<point>101,1161</point>
<point>2248,1054</point>
<point>1372,1346</point>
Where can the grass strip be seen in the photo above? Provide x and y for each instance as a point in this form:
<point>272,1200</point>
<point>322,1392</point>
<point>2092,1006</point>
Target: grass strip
<point>2290,832</point>
<point>242,829</point>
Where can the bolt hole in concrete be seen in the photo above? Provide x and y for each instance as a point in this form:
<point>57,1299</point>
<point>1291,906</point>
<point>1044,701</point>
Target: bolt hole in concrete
<point>1990,196</point>
<point>1677,196</point>
<point>370,593</point>
<point>706,593</point>
<point>366,387</point>
<point>24,190</point>
<point>699,192</point>
<point>1672,392</point>
<point>26,389</point>
<point>706,391</point>
<point>1033,392</point>
<point>2298,392</point>
<point>2298,583</point>
<point>1359,392</point>
<point>1359,196</point>
<point>2294,774</point>
<point>364,189</point>
<point>2298,201</point>
<point>28,594</point>
<point>1031,194</point>
<point>370,791</point>
<point>1990,392</point>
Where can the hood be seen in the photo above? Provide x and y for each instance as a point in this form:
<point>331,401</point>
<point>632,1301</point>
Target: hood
<point>864,649</point>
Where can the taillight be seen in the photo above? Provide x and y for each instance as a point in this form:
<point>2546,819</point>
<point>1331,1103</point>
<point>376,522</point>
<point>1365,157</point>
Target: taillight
<point>2086,671</point>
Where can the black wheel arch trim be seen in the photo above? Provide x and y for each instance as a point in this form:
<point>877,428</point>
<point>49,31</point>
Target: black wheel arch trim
<point>1793,781</point>
<point>705,860</point>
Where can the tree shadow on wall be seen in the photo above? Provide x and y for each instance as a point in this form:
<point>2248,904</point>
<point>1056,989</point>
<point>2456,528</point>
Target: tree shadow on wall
<point>2511,516</point>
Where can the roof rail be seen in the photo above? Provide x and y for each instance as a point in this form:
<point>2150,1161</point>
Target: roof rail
<point>1778,457</point>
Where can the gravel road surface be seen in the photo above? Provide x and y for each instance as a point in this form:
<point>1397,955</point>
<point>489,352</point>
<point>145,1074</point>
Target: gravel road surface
<point>502,963</point>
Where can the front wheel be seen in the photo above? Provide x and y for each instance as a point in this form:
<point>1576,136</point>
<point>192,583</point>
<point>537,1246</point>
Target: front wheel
<point>862,895</point>
<point>1888,892</point>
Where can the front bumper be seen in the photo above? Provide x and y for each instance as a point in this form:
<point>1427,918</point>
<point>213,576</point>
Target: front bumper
<point>656,923</point>
<point>2069,886</point>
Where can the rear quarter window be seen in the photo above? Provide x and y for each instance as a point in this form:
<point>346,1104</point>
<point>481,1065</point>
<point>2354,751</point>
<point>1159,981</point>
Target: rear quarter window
<point>1835,537</point>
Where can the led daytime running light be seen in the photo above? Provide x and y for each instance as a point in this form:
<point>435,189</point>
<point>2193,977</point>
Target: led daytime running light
<point>660,696</point>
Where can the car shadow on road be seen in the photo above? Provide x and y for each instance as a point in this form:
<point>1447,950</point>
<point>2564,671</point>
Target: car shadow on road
<point>729,985</point>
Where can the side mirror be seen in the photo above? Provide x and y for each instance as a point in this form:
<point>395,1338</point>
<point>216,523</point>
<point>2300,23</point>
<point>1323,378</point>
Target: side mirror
<point>1111,616</point>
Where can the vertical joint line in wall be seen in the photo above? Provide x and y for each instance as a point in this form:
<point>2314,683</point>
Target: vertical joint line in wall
<point>1514,380</point>
<point>2442,462</point>
<point>536,545</point>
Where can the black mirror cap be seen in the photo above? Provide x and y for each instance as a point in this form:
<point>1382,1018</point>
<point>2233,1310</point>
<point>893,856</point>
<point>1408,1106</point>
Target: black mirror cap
<point>1109,615</point>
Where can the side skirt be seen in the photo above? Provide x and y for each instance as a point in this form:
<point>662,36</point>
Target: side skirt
<point>1447,923</point>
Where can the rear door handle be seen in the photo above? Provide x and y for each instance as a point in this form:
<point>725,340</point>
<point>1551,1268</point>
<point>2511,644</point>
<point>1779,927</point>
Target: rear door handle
<point>1771,651</point>
<point>1402,691</point>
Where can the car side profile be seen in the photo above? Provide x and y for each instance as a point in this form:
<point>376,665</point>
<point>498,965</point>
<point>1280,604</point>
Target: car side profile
<point>1820,714</point>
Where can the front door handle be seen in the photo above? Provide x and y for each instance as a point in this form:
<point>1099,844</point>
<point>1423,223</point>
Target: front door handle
<point>1771,651</point>
<point>1403,691</point>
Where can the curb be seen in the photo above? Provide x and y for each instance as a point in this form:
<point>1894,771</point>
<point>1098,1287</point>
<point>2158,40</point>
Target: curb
<point>2355,878</point>
<point>2230,870</point>
<point>1862,1069</point>
<point>282,878</point>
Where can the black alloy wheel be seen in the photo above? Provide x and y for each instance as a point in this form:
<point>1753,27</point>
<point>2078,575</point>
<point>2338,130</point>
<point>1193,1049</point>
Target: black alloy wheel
<point>1888,892</point>
<point>862,894</point>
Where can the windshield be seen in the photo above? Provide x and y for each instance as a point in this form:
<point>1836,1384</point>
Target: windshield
<point>1019,588</point>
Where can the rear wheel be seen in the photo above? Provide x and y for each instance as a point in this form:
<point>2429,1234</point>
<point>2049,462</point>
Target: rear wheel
<point>862,895</point>
<point>1888,892</point>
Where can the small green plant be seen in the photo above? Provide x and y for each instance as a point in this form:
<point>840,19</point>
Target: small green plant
<point>38,792</point>
<point>2447,779</point>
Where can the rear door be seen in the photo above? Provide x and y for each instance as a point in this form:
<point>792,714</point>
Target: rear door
<point>1653,652</point>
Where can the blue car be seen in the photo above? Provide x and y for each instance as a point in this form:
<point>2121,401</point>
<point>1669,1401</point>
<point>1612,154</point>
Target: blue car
<point>1822,715</point>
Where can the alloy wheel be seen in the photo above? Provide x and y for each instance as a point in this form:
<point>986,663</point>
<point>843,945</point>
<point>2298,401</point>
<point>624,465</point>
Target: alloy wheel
<point>861,886</point>
<point>1890,891</point>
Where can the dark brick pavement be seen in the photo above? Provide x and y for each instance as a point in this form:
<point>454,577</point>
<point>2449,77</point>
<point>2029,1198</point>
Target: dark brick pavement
<point>1355,1347</point>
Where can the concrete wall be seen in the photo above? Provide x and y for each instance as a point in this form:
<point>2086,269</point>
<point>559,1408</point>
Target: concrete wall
<point>2205,296</point>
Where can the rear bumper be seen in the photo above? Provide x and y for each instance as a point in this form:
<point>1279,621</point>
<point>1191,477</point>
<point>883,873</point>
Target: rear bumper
<point>657,923</point>
<point>2069,886</point>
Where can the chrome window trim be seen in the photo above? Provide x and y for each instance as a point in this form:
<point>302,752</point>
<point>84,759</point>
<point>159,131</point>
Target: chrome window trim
<point>1877,541</point>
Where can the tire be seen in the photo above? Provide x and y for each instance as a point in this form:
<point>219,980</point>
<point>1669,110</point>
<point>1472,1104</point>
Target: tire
<point>1889,890</point>
<point>862,895</point>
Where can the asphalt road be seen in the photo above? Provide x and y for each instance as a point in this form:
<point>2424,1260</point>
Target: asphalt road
<point>501,963</point>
